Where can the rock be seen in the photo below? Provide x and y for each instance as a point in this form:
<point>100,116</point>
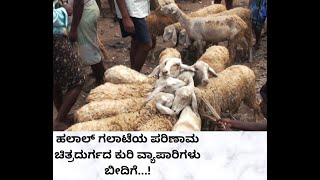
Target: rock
<point>117,35</point>
<point>111,25</point>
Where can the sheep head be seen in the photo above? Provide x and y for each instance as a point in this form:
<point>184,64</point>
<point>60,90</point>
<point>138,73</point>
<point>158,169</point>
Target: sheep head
<point>202,71</point>
<point>184,97</point>
<point>170,9</point>
<point>170,33</point>
<point>172,67</point>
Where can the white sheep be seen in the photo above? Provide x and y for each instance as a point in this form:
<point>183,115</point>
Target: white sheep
<point>213,61</point>
<point>167,85</point>
<point>131,121</point>
<point>107,108</point>
<point>185,96</point>
<point>234,85</point>
<point>214,29</point>
<point>172,31</point>
<point>245,15</point>
<point>188,121</point>
<point>170,67</point>
<point>123,75</point>
<point>119,91</point>
<point>165,103</point>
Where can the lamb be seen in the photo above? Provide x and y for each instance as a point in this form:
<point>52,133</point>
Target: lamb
<point>119,91</point>
<point>188,121</point>
<point>225,93</point>
<point>107,108</point>
<point>164,104</point>
<point>123,75</point>
<point>187,77</point>
<point>170,67</point>
<point>168,85</point>
<point>214,29</point>
<point>245,15</point>
<point>214,60</point>
<point>129,83</point>
<point>172,31</point>
<point>169,53</point>
<point>131,121</point>
<point>165,54</point>
<point>185,96</point>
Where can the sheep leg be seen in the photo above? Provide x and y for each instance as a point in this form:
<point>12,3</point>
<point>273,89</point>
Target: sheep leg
<point>164,110</point>
<point>231,49</point>
<point>194,104</point>
<point>155,71</point>
<point>154,42</point>
<point>252,103</point>
<point>199,48</point>
<point>248,37</point>
<point>157,90</point>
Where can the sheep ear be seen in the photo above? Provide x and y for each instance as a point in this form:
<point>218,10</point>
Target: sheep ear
<point>174,11</point>
<point>174,37</point>
<point>194,103</point>
<point>155,72</point>
<point>212,72</point>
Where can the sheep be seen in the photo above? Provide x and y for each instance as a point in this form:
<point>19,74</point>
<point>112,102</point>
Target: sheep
<point>187,77</point>
<point>188,121</point>
<point>119,91</point>
<point>159,124</point>
<point>160,3</point>
<point>169,53</point>
<point>107,108</point>
<point>164,104</point>
<point>123,75</point>
<point>225,93</point>
<point>215,29</point>
<point>172,31</point>
<point>181,93</point>
<point>185,96</point>
<point>156,23</point>
<point>130,121</point>
<point>165,56</point>
<point>214,60</point>
<point>168,85</point>
<point>245,15</point>
<point>170,67</point>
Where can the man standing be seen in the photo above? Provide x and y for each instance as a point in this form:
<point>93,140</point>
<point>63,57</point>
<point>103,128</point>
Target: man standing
<point>132,23</point>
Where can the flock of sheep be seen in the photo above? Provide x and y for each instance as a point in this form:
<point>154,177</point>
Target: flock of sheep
<point>175,96</point>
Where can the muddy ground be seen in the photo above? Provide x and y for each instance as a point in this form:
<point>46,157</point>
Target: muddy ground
<point>118,52</point>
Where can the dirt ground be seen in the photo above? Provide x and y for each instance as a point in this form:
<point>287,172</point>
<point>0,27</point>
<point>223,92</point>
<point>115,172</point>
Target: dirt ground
<point>118,52</point>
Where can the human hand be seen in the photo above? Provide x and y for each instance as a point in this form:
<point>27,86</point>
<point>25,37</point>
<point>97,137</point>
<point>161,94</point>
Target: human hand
<point>223,125</point>
<point>128,24</point>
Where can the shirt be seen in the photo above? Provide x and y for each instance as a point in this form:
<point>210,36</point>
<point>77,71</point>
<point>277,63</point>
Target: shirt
<point>136,8</point>
<point>60,20</point>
